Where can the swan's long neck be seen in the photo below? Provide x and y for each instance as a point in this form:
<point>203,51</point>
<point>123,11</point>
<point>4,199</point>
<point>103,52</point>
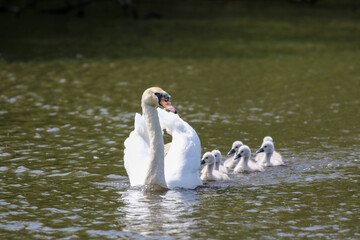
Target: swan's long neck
<point>155,173</point>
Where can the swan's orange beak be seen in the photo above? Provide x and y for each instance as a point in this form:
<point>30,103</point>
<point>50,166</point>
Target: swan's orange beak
<point>167,104</point>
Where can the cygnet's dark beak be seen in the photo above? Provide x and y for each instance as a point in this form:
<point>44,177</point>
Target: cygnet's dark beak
<point>232,151</point>
<point>259,151</point>
<point>202,162</point>
<point>237,156</point>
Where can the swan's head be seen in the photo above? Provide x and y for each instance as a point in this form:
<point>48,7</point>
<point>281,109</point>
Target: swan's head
<point>156,97</point>
<point>244,151</point>
<point>217,155</point>
<point>235,147</point>
<point>267,147</point>
<point>208,158</point>
<point>268,139</point>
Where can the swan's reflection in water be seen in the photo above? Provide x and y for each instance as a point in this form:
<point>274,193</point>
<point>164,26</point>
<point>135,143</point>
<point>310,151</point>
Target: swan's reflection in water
<point>153,214</point>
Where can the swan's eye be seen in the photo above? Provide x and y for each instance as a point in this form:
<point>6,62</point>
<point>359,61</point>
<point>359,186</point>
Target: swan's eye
<point>206,157</point>
<point>265,146</point>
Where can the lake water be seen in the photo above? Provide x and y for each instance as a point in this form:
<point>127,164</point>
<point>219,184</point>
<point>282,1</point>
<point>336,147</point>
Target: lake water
<point>236,70</point>
<point>63,124</point>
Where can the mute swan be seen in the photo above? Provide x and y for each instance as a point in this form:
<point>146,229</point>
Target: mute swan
<point>231,163</point>
<point>144,158</point>
<point>270,156</point>
<point>261,155</point>
<point>208,173</point>
<point>244,164</point>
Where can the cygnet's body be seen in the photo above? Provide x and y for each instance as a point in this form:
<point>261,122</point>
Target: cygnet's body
<point>231,163</point>
<point>260,156</point>
<point>219,170</point>
<point>269,157</point>
<point>208,174</point>
<point>244,165</point>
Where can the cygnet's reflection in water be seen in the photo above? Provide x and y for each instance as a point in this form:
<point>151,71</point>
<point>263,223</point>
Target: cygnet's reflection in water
<point>153,214</point>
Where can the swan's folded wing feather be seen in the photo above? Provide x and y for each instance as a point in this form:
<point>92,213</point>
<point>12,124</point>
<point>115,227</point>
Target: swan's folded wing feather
<point>182,161</point>
<point>136,152</point>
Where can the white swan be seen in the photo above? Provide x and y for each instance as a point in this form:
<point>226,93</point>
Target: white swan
<point>231,163</point>
<point>244,164</point>
<point>144,158</point>
<point>269,156</point>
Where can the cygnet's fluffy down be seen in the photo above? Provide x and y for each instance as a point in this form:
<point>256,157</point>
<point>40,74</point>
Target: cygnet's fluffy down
<point>208,173</point>
<point>218,164</point>
<point>244,164</point>
<point>261,155</point>
<point>231,163</point>
<point>269,157</point>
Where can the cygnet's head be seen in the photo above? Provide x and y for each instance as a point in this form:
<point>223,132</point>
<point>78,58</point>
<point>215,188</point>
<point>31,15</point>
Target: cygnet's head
<point>244,151</point>
<point>235,147</point>
<point>217,155</point>
<point>156,97</point>
<point>267,147</point>
<point>208,158</point>
<point>268,139</point>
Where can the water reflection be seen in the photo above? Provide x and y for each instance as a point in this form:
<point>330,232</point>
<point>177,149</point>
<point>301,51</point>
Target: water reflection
<point>153,214</point>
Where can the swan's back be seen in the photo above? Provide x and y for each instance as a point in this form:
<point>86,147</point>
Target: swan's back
<point>182,161</point>
<point>136,152</point>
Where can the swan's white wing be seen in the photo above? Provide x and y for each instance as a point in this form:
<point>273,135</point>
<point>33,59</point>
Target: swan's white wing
<point>182,162</point>
<point>136,152</point>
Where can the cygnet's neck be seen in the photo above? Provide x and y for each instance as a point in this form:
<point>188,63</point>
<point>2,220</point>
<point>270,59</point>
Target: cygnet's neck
<point>217,166</point>
<point>268,157</point>
<point>155,173</point>
<point>244,162</point>
<point>209,170</point>
<point>234,162</point>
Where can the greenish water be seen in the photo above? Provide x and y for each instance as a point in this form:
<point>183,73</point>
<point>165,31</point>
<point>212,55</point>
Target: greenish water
<point>64,118</point>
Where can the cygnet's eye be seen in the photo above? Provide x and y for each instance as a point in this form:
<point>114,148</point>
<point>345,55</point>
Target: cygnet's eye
<point>242,152</point>
<point>206,157</point>
<point>215,155</point>
<point>265,146</point>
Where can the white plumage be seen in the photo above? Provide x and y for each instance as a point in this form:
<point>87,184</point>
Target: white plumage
<point>144,158</point>
<point>268,156</point>
<point>245,164</point>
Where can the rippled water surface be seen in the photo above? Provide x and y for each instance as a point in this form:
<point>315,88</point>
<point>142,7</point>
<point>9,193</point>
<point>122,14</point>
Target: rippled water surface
<point>64,116</point>
<point>62,174</point>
